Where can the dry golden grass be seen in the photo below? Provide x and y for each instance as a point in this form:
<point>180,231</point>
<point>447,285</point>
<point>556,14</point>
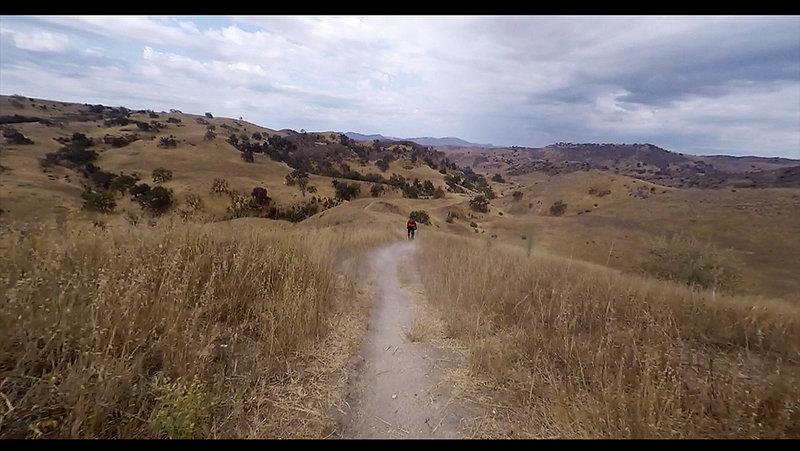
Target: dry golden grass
<point>419,331</point>
<point>576,350</point>
<point>761,227</point>
<point>177,330</point>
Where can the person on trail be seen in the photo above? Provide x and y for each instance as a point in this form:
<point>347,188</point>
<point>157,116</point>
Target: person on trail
<point>411,226</point>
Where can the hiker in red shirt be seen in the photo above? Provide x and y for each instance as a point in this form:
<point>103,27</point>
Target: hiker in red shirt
<point>412,226</point>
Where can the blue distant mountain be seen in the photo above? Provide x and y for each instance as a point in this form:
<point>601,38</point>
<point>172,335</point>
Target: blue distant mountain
<point>424,141</point>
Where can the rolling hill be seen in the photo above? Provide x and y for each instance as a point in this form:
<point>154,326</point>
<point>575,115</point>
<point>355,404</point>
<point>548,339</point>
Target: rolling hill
<point>618,197</point>
<point>642,161</point>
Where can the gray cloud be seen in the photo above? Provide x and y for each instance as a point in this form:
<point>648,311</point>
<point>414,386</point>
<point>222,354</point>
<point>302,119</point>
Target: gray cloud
<point>686,83</point>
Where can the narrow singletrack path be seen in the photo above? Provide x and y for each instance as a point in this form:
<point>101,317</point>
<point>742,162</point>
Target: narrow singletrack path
<point>396,390</point>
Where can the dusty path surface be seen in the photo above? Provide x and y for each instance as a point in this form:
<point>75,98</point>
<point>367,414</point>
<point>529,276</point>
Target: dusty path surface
<point>396,391</point>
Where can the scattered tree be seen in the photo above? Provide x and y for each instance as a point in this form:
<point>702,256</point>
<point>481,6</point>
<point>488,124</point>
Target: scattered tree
<point>428,188</point>
<point>347,191</point>
<point>162,175</point>
<point>259,195</point>
<point>102,201</point>
<point>558,208</point>
<point>194,201</point>
<point>157,200</point>
<point>479,203</point>
<point>410,191</point>
<point>302,182</point>
<point>376,190</point>
<point>122,183</point>
<point>12,136</point>
<point>382,164</point>
<point>102,179</point>
<point>74,153</point>
<point>167,141</point>
<point>138,190</point>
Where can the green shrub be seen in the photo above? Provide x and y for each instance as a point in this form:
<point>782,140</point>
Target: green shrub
<point>183,410</point>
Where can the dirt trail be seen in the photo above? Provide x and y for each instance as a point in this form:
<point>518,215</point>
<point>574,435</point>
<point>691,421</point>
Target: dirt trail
<point>395,389</point>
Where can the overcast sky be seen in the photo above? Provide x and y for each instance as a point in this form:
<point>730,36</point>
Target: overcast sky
<point>691,84</point>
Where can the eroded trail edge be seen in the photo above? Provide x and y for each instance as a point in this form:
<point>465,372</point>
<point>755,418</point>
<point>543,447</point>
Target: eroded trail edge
<point>396,387</point>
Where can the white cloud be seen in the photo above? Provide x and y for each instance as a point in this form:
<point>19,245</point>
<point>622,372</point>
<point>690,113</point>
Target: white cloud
<point>128,28</point>
<point>40,41</point>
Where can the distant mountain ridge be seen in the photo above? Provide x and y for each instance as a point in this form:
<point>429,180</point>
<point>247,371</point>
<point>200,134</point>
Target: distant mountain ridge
<point>447,141</point>
<point>643,161</point>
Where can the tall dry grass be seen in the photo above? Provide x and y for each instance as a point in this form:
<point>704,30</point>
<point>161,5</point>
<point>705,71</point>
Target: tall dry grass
<point>579,351</point>
<point>166,331</point>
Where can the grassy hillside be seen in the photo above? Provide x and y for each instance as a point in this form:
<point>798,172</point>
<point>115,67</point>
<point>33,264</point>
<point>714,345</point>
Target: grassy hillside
<point>196,158</point>
<point>567,349</point>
